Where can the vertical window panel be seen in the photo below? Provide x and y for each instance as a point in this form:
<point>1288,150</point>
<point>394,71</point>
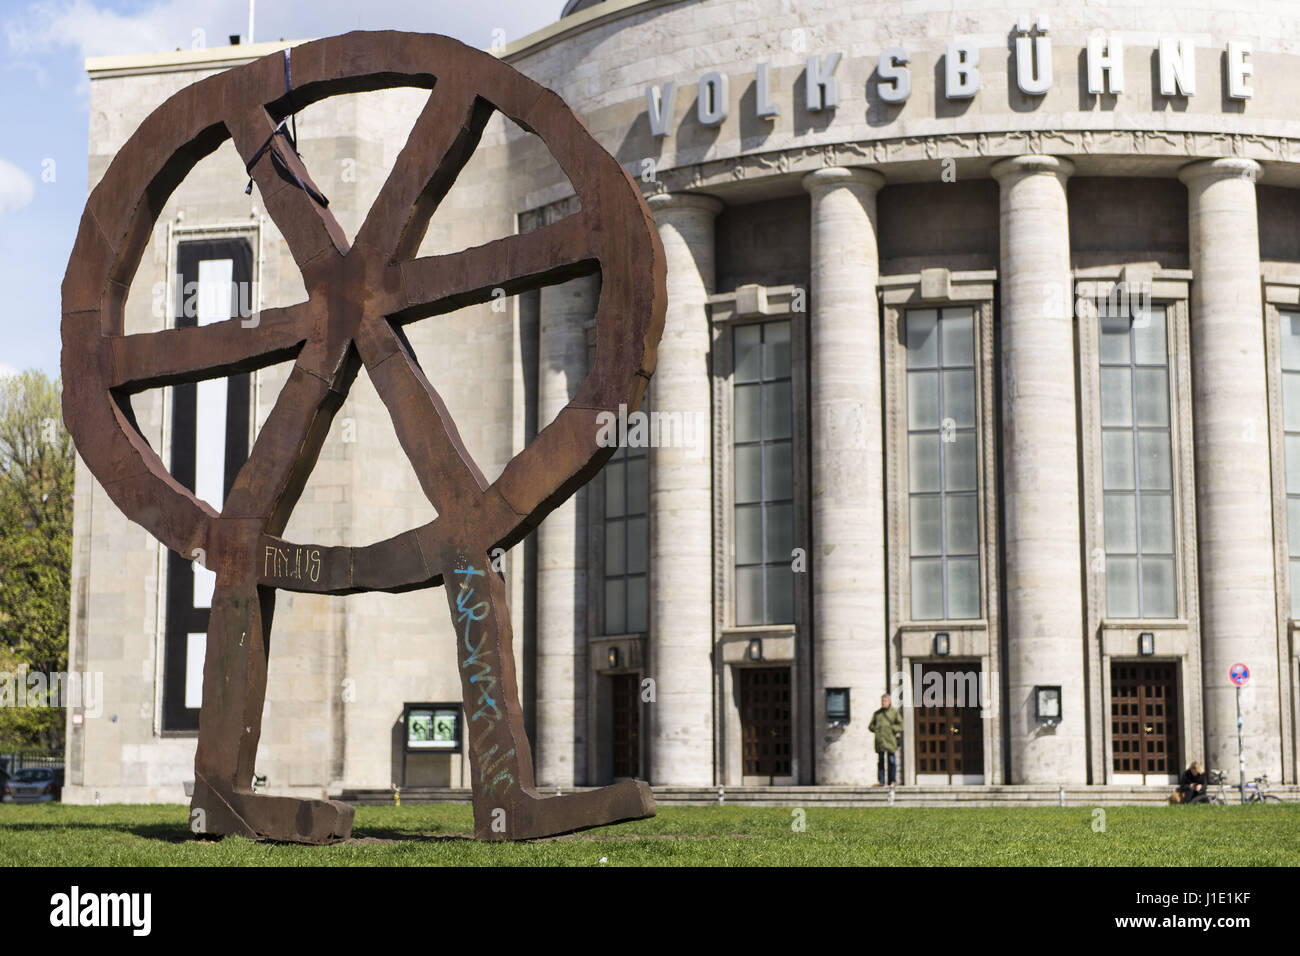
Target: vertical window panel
<point>1150,338</point>
<point>1114,341</point>
<point>778,470</point>
<point>748,344</point>
<point>1290,329</point>
<point>627,500</point>
<point>923,400</point>
<point>1117,461</point>
<point>1151,395</point>
<point>1121,524</point>
<point>748,462</point>
<point>1121,587</point>
<point>942,450</point>
<point>961,523</point>
<point>1137,468</point>
<point>927,589</point>
<point>1289,334</point>
<point>959,462</point>
<point>959,398</point>
<point>923,464</point>
<point>637,617</point>
<point>927,525</point>
<point>922,340</point>
<point>1291,402</point>
<point>963,581</point>
<point>763,460</point>
<point>1116,397</point>
<point>749,595</point>
<point>957,334</point>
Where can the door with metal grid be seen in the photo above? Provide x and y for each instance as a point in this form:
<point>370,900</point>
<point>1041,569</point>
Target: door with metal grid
<point>949,731</point>
<point>765,721</point>
<point>1143,718</point>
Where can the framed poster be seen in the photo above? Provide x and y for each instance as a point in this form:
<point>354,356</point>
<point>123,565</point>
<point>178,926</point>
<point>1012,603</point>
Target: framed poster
<point>432,727</point>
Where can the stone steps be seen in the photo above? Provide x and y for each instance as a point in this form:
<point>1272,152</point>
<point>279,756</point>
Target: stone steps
<point>910,796</point>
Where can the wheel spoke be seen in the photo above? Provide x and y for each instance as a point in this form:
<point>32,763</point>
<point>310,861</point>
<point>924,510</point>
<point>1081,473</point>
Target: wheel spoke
<point>310,228</point>
<point>545,256</point>
<point>441,143</point>
<point>446,470</point>
<point>287,448</point>
<point>198,352</point>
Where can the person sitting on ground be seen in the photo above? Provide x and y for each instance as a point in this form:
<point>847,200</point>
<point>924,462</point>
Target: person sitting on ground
<point>1192,782</point>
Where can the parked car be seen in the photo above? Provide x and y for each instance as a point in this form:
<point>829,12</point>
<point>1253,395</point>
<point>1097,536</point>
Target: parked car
<point>34,785</point>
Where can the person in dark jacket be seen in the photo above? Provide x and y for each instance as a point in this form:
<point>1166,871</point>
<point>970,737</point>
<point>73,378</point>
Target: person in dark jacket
<point>887,725</point>
<point>1192,782</point>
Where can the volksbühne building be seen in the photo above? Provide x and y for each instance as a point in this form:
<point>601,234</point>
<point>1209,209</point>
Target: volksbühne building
<point>981,368</point>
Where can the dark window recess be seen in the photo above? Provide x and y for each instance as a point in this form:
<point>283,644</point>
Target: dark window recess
<point>183,618</point>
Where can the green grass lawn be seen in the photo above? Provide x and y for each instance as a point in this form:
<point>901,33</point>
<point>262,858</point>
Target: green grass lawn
<point>437,835</point>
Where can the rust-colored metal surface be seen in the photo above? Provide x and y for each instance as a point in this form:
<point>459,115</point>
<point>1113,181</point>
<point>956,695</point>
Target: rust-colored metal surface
<point>359,297</point>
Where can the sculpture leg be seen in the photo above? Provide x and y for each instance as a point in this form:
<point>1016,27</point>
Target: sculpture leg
<point>230,724</point>
<point>506,803</point>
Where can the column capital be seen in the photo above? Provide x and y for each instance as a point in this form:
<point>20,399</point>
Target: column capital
<point>1226,167</point>
<point>671,202</point>
<point>1018,167</point>
<point>842,176</point>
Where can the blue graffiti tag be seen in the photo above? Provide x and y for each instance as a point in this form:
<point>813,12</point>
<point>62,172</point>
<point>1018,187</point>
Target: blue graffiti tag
<point>469,614</point>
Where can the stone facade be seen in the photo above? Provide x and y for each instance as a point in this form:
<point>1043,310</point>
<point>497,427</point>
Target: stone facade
<point>832,226</point>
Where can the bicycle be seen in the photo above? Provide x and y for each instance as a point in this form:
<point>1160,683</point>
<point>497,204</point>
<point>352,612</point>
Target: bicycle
<point>1256,790</point>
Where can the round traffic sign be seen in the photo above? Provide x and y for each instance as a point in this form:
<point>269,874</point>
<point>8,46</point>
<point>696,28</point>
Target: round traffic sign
<point>1239,674</point>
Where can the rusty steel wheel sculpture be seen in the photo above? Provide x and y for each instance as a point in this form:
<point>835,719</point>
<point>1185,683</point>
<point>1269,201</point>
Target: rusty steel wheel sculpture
<point>359,297</point>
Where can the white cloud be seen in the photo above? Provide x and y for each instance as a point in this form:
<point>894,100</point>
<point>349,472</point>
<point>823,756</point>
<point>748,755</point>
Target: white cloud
<point>6,370</point>
<point>16,187</point>
<point>96,30</point>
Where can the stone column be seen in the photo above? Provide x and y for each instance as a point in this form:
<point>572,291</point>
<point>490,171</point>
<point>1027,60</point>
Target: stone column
<point>848,565</point>
<point>1043,573</point>
<point>560,747</point>
<point>1234,505</point>
<point>681,480</point>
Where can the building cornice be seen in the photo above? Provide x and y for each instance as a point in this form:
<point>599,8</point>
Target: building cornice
<point>207,58</point>
<point>901,159</point>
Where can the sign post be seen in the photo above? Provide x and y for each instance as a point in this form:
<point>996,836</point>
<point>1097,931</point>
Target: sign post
<point>1239,674</point>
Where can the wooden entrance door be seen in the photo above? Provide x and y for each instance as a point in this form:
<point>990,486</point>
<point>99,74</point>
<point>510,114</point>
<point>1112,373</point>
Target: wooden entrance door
<point>1143,718</point>
<point>949,731</point>
<point>625,725</point>
<point>765,721</point>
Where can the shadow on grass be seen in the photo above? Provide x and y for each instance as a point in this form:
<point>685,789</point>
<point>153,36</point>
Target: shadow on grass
<point>177,833</point>
<point>164,832</point>
<point>384,835</point>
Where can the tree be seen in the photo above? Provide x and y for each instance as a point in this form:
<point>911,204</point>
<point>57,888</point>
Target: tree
<point>37,465</point>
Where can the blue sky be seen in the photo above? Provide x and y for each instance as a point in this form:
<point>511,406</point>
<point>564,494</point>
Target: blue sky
<point>44,114</point>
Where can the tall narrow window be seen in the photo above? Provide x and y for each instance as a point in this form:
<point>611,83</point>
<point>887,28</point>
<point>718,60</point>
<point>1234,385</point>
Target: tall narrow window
<point>943,486</point>
<point>209,444</point>
<point>1290,329</point>
<point>764,474</point>
<point>1137,470</point>
<point>627,497</point>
